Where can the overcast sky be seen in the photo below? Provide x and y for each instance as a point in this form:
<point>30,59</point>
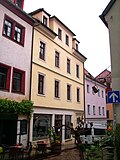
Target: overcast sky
<point>82,17</point>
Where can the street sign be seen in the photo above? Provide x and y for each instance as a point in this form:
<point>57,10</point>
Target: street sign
<point>114,97</point>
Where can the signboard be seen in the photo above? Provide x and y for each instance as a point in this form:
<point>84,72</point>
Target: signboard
<point>114,97</point>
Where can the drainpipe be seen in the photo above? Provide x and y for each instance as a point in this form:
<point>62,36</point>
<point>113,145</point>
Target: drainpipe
<point>30,79</point>
<point>84,93</point>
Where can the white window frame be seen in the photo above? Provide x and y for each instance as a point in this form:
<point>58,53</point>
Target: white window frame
<point>44,85</point>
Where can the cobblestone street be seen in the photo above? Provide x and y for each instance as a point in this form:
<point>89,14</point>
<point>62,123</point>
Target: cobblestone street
<point>71,154</point>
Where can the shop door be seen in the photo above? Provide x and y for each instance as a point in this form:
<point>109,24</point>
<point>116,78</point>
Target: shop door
<point>8,131</point>
<point>58,125</point>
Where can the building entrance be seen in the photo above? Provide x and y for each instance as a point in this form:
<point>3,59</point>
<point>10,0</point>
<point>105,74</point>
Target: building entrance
<point>8,129</point>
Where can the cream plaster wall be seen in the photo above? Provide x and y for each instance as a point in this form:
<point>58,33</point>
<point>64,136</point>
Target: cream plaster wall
<point>51,72</point>
<point>54,25</point>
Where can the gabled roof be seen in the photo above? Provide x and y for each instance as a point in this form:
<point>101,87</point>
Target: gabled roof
<point>62,24</point>
<point>106,10</point>
<point>39,10</point>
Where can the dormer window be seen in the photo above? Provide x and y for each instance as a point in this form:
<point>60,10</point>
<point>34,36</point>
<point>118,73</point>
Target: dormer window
<point>59,33</point>
<point>19,3</point>
<point>76,47</point>
<point>45,20</point>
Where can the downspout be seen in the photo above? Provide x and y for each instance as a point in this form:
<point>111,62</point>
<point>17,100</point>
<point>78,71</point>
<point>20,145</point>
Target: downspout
<point>30,79</point>
<point>84,93</point>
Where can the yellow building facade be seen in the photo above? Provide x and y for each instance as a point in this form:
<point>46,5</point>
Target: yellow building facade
<point>57,82</point>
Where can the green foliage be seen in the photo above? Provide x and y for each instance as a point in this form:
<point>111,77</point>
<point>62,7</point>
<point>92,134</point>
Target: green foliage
<point>117,140</point>
<point>24,107</point>
<point>53,136</point>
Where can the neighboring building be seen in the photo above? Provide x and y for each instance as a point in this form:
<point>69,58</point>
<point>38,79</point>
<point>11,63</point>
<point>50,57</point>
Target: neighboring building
<point>105,78</point>
<point>15,63</point>
<point>57,77</point>
<point>95,102</point>
<point>111,18</point>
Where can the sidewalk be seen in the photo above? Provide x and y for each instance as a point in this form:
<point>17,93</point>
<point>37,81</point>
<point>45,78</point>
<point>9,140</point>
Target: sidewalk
<point>69,154</point>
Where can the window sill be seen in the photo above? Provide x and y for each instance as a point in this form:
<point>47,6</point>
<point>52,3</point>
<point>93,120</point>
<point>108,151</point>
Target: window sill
<point>42,95</point>
<point>18,92</point>
<point>57,98</point>
<point>19,43</point>
<point>4,90</point>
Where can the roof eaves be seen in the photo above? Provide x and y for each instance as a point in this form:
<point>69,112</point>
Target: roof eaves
<point>62,24</point>
<point>39,10</point>
<point>106,10</point>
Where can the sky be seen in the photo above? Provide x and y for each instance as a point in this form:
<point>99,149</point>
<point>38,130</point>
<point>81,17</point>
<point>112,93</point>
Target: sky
<point>82,18</point>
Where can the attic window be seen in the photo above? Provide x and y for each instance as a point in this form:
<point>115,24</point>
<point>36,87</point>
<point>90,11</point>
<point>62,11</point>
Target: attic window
<point>76,46</point>
<point>45,20</point>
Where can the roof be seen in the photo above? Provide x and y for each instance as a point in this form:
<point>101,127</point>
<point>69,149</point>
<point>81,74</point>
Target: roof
<point>62,24</point>
<point>39,10</point>
<point>88,75</point>
<point>38,22</point>
<point>106,10</point>
<point>18,11</point>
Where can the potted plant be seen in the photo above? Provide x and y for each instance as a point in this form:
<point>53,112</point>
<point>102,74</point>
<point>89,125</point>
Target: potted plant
<point>55,141</point>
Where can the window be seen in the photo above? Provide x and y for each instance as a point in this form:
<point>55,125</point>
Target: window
<point>88,88</point>
<point>67,40</point>
<point>5,72</point>
<point>57,89</point>
<point>7,28</point>
<point>42,51</point>
<point>93,110</point>
<point>76,46</point>
<point>59,33</point>
<point>78,94</point>
<point>102,94</point>
<point>41,126</point>
<point>41,84</point>
<point>99,110</point>
<point>13,30</point>
<point>19,3</point>
<point>103,111</point>
<point>68,65</point>
<point>18,81</point>
<point>68,92</point>
<point>88,109</point>
<point>77,71</point>
<point>99,92</point>
<point>57,59</point>
<point>67,123</point>
<point>45,20</point>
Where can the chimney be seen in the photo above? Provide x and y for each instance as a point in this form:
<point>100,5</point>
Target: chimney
<point>19,3</point>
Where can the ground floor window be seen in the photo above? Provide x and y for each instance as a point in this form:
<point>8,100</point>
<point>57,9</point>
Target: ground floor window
<point>41,125</point>
<point>67,130</point>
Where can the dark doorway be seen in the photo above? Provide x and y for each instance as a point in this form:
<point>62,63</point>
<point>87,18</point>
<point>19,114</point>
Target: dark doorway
<point>58,125</point>
<point>8,129</point>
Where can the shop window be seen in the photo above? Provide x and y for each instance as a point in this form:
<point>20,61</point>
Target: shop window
<point>41,125</point>
<point>67,130</point>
